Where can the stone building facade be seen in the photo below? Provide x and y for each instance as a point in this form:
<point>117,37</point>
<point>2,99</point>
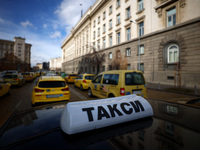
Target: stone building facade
<point>159,37</point>
<point>55,64</point>
<point>18,47</point>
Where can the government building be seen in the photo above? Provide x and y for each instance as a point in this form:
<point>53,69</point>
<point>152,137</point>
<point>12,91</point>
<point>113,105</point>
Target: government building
<point>159,37</point>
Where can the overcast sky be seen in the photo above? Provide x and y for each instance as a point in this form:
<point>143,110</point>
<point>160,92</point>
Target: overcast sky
<point>43,23</point>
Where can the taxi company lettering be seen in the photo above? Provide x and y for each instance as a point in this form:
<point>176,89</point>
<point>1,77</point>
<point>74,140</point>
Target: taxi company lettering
<point>127,108</point>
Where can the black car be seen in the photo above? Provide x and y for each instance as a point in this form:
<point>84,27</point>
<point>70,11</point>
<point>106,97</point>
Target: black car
<point>173,127</point>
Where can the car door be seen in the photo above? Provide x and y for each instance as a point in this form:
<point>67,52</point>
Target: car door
<point>96,85</point>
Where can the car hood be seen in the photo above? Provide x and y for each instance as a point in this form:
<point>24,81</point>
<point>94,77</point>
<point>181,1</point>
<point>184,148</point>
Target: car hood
<point>175,126</point>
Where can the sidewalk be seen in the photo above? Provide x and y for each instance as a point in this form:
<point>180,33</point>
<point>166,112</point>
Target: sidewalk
<point>172,97</point>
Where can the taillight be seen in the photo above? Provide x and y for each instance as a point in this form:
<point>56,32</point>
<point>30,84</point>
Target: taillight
<point>16,79</point>
<point>84,81</point>
<point>69,77</point>
<point>122,91</point>
<point>38,90</point>
<point>65,89</point>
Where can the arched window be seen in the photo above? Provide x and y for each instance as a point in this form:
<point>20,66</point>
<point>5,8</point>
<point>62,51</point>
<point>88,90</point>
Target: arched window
<point>173,54</point>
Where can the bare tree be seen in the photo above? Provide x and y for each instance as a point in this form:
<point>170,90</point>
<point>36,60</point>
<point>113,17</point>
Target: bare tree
<point>119,62</point>
<point>93,58</point>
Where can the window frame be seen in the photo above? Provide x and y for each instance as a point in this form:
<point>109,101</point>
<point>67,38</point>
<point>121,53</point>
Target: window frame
<point>172,15</point>
<point>177,50</point>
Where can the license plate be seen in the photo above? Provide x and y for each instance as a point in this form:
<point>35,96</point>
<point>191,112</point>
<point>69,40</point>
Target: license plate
<point>137,92</point>
<point>54,96</point>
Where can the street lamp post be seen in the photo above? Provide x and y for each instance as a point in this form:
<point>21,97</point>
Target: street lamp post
<point>138,45</point>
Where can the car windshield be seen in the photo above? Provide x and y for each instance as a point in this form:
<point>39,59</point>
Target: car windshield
<point>134,78</point>
<point>89,77</point>
<point>73,75</point>
<point>51,84</point>
<point>9,76</point>
<point>25,73</point>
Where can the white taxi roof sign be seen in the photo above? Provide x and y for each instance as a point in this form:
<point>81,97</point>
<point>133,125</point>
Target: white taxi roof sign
<point>89,115</point>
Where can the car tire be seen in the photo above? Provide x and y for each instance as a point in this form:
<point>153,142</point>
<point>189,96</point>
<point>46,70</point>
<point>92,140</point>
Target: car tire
<point>90,93</point>
<point>81,88</point>
<point>111,95</point>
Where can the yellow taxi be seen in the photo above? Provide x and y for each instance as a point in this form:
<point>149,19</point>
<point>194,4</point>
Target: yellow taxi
<point>34,75</point>
<point>71,77</point>
<point>50,89</point>
<point>4,88</point>
<point>28,76</point>
<point>14,79</point>
<point>118,83</point>
<point>83,81</point>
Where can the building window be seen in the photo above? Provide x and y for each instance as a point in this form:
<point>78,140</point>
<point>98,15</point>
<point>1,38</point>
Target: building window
<point>104,43</point>
<point>118,3</point>
<point>110,10</point>
<point>141,28</point>
<point>104,28</point>
<point>141,49</point>
<point>110,40</point>
<point>110,55</point>
<point>173,54</point>
<point>128,52</point>
<point>98,44</point>
<point>99,19</point>
<point>128,13</point>
<point>110,23</point>
<point>104,15</point>
<point>93,69</point>
<point>94,23</point>
<point>128,66</point>
<point>118,19</point>
<point>118,38</point>
<point>103,68</point>
<point>140,5</point>
<point>98,31</point>
<point>171,17</point>
<point>19,55</point>
<point>94,35</point>
<point>141,67</point>
<point>128,34</point>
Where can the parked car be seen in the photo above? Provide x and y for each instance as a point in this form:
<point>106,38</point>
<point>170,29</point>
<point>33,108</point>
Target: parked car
<point>71,77</point>
<point>118,83</point>
<point>83,81</point>
<point>4,88</point>
<point>28,76</point>
<point>14,79</point>
<point>50,89</point>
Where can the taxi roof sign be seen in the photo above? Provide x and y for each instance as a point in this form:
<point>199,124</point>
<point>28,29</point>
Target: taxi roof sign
<point>89,115</point>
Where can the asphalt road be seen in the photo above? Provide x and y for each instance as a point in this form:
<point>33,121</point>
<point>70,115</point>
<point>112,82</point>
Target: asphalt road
<point>20,98</point>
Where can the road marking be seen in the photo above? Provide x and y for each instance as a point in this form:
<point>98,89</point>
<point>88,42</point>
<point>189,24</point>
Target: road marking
<point>18,104</point>
<point>78,94</point>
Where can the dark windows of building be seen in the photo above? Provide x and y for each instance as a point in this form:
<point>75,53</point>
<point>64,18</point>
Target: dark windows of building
<point>140,5</point>
<point>128,52</point>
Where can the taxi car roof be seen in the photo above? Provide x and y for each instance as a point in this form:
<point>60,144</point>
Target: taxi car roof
<point>51,78</point>
<point>39,129</point>
<point>122,71</point>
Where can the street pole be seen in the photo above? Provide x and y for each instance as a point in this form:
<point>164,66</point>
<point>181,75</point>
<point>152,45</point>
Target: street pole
<point>138,45</point>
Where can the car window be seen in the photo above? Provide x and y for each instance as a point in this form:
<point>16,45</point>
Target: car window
<point>25,73</point>
<point>134,78</point>
<point>51,84</point>
<point>97,79</point>
<point>9,76</point>
<point>111,79</point>
<point>89,77</point>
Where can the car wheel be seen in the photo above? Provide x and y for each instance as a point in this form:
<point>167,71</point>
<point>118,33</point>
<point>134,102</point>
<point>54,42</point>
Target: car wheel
<point>81,88</point>
<point>111,95</point>
<point>90,92</point>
